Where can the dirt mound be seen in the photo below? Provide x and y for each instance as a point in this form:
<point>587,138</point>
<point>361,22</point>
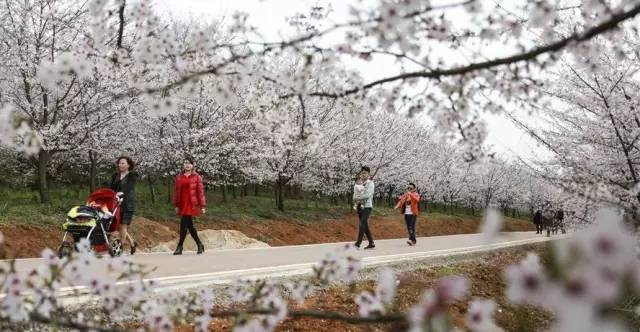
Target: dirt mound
<point>29,240</point>
<point>213,239</point>
<point>149,233</point>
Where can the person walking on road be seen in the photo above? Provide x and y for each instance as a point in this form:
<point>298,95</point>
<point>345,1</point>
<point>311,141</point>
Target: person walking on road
<point>547,217</point>
<point>537,220</point>
<point>363,199</point>
<point>409,207</point>
<point>560,220</point>
<point>123,182</point>
<point>189,202</point>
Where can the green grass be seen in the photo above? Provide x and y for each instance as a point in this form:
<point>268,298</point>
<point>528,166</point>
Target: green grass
<point>22,206</point>
<point>446,270</point>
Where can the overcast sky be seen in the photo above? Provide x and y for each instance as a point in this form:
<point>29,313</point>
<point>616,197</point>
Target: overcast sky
<point>269,16</point>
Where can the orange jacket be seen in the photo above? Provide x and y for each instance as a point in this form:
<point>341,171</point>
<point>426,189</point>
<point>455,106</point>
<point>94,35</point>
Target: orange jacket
<point>415,199</point>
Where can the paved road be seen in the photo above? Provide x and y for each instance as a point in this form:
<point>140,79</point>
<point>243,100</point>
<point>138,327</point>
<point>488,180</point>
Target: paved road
<point>223,266</point>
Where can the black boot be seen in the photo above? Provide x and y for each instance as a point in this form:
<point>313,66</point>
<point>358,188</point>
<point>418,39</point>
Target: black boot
<point>134,247</point>
<point>200,248</point>
<point>178,250</point>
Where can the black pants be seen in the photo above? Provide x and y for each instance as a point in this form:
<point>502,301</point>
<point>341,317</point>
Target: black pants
<point>410,220</point>
<point>186,224</point>
<point>363,228</point>
<point>538,228</point>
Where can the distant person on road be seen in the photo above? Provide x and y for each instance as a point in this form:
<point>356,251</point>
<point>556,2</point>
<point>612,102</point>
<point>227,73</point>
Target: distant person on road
<point>558,222</point>
<point>363,199</point>
<point>189,202</point>
<point>547,217</point>
<point>123,182</point>
<point>409,207</point>
<point>537,220</point>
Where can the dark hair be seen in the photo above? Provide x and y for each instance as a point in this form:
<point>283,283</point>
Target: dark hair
<point>366,169</point>
<point>413,184</point>
<point>189,159</point>
<point>130,162</point>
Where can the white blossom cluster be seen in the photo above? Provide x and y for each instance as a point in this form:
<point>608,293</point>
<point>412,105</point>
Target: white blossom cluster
<point>259,294</point>
<point>36,291</point>
<point>598,267</point>
<point>337,266</point>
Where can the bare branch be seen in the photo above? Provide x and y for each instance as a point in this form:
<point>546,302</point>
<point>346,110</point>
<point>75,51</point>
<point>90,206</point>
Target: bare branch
<point>121,23</point>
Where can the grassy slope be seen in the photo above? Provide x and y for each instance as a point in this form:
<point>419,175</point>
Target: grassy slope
<point>22,206</point>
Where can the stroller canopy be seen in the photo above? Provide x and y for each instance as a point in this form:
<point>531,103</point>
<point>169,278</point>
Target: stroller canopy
<point>107,197</point>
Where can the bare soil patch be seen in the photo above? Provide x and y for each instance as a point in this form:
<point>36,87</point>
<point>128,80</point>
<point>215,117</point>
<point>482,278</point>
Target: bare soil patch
<point>30,240</point>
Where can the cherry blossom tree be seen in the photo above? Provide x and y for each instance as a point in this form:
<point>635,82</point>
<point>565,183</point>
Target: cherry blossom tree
<point>48,83</point>
<point>593,130</point>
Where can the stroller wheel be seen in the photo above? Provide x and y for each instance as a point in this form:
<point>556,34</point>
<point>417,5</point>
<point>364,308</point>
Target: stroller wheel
<point>66,249</point>
<point>115,248</point>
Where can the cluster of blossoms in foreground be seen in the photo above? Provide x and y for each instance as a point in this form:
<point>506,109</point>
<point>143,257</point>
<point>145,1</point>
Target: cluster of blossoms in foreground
<point>586,280</point>
<point>594,272</point>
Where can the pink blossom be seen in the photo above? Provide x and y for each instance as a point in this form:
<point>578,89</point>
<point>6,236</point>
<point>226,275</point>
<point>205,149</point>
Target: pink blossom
<point>479,318</point>
<point>452,288</point>
<point>526,282</point>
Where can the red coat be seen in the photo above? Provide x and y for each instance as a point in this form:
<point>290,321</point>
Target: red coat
<point>188,194</point>
<point>415,199</point>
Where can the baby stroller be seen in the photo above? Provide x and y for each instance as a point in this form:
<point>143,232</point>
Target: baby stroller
<point>95,221</point>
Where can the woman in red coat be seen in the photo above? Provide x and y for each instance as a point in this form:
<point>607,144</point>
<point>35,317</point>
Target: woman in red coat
<point>189,201</point>
<point>409,207</point>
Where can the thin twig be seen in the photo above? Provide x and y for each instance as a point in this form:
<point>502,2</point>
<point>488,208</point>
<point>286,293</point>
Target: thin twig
<point>121,23</point>
<point>66,323</point>
<point>317,314</point>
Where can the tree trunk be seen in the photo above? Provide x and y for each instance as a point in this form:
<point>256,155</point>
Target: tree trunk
<point>43,186</point>
<point>93,172</point>
<point>281,200</point>
<point>233,192</point>
<point>280,184</point>
<point>152,190</point>
<point>169,191</point>
<point>223,189</point>
<point>256,189</point>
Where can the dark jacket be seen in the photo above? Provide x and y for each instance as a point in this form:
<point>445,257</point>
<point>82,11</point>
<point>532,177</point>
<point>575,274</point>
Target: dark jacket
<point>537,218</point>
<point>127,186</point>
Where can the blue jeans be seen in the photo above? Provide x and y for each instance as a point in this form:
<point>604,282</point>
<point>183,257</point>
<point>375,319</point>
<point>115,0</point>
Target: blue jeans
<point>410,220</point>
